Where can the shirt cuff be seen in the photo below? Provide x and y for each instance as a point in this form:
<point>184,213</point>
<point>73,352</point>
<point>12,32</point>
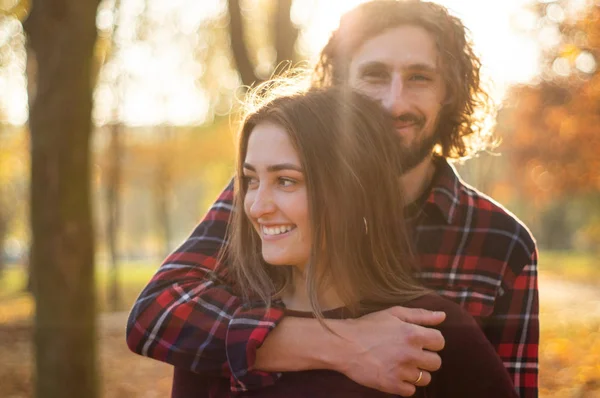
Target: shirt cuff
<point>247,331</point>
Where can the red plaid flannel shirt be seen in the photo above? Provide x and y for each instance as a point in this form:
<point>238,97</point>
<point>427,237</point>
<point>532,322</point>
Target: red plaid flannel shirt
<point>471,250</point>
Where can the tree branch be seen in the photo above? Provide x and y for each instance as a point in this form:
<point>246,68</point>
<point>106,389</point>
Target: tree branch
<point>238,44</point>
<point>285,33</point>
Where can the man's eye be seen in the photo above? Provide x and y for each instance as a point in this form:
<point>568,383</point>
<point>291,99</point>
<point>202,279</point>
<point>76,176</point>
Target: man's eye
<point>420,78</point>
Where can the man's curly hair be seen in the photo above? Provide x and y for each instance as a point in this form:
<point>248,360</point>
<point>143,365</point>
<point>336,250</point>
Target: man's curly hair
<point>467,107</point>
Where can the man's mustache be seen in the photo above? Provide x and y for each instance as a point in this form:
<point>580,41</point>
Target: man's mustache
<point>409,118</point>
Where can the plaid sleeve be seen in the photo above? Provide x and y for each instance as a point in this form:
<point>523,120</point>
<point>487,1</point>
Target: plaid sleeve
<point>187,315</point>
<point>514,326</point>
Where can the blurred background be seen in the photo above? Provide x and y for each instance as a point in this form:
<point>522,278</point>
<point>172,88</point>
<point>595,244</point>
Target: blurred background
<point>167,80</point>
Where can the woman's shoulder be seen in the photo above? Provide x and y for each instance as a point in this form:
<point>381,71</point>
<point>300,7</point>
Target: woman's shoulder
<point>470,365</point>
<point>455,314</point>
<point>459,327</point>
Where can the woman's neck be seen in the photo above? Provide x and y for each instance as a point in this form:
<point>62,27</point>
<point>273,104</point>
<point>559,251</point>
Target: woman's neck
<point>296,297</point>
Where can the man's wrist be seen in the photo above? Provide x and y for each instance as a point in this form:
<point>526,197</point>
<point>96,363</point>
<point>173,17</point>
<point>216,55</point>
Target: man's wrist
<point>339,348</point>
<point>246,332</point>
<point>298,344</point>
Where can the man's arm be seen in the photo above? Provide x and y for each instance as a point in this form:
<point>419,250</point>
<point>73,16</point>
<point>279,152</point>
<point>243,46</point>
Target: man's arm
<point>384,350</point>
<point>513,328</point>
<point>182,316</point>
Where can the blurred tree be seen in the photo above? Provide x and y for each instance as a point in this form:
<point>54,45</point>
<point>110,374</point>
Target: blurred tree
<point>551,127</point>
<point>13,189</point>
<point>113,173</point>
<point>6,206</point>
<point>3,218</point>
<point>62,34</point>
<point>163,187</point>
<point>283,34</point>
<point>114,168</point>
<point>555,121</point>
<point>15,8</point>
<point>10,10</point>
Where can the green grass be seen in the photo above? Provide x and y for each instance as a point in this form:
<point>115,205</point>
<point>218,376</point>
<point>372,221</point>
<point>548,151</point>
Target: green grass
<point>573,266</point>
<point>16,304</point>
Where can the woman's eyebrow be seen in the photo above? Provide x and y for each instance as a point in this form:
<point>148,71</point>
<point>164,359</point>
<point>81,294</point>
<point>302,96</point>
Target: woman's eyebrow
<point>277,167</point>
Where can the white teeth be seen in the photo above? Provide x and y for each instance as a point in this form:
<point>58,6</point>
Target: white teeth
<point>277,230</point>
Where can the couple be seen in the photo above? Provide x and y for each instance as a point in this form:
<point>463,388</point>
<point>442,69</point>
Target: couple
<point>318,226</point>
<point>415,60</point>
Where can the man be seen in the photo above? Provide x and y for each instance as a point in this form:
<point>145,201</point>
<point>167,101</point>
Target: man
<point>416,60</point>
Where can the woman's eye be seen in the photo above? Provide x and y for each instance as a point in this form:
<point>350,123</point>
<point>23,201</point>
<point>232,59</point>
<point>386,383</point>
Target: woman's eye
<point>286,182</point>
<point>250,182</point>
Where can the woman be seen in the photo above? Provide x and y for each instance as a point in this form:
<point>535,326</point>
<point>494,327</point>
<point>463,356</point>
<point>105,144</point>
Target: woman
<point>319,225</point>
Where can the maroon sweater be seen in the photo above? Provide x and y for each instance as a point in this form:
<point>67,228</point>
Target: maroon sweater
<point>470,368</point>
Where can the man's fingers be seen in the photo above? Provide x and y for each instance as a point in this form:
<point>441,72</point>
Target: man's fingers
<point>423,379</point>
<point>402,388</point>
<point>418,316</point>
<point>429,361</point>
<point>406,388</point>
<point>432,339</point>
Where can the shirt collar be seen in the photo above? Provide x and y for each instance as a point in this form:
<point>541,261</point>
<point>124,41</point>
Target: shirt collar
<point>445,189</point>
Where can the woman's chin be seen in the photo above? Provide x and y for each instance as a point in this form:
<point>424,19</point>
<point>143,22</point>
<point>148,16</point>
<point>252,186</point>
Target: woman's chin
<point>279,261</point>
<point>274,260</point>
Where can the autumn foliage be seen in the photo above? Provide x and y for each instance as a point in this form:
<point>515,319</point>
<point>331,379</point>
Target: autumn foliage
<point>552,128</point>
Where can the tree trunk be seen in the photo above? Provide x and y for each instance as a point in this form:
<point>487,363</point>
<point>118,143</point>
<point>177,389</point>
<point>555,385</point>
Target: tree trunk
<point>114,175</point>
<point>31,71</point>
<point>238,44</point>
<point>113,185</point>
<point>3,215</point>
<point>3,232</point>
<point>162,191</point>
<point>285,34</point>
<point>62,34</point>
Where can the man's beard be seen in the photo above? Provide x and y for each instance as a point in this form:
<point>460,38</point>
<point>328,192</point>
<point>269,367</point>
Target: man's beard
<point>415,153</point>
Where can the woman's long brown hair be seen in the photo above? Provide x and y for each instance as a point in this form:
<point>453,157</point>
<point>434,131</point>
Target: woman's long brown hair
<point>351,160</point>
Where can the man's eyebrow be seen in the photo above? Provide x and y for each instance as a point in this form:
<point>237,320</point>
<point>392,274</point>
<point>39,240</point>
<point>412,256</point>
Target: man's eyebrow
<point>418,66</point>
<point>423,67</point>
<point>277,167</point>
<point>373,65</point>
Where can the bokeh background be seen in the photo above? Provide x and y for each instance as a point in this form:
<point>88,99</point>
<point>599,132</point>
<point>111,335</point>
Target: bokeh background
<point>167,77</point>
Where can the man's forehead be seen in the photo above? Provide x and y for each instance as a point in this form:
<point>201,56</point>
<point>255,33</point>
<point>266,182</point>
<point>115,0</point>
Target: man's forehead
<point>400,47</point>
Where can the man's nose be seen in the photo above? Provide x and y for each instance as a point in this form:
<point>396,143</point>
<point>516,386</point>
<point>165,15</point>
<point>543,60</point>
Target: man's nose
<point>394,99</point>
<point>261,203</point>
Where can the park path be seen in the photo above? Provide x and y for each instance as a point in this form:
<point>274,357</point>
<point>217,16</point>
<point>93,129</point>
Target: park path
<point>566,301</point>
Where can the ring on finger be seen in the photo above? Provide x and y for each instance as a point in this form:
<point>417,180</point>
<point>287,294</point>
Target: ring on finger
<point>419,378</point>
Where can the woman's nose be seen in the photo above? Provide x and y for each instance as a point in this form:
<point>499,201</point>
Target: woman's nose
<point>261,203</point>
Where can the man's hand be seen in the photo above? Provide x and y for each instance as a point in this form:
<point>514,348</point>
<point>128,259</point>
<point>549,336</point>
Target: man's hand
<point>387,350</point>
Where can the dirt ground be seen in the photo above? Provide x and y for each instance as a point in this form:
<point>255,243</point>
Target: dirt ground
<point>123,374</point>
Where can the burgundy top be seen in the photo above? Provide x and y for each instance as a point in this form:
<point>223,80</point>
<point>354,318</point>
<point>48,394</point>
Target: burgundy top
<point>470,367</point>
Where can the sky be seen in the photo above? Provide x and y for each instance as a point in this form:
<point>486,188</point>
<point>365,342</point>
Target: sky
<point>163,87</point>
